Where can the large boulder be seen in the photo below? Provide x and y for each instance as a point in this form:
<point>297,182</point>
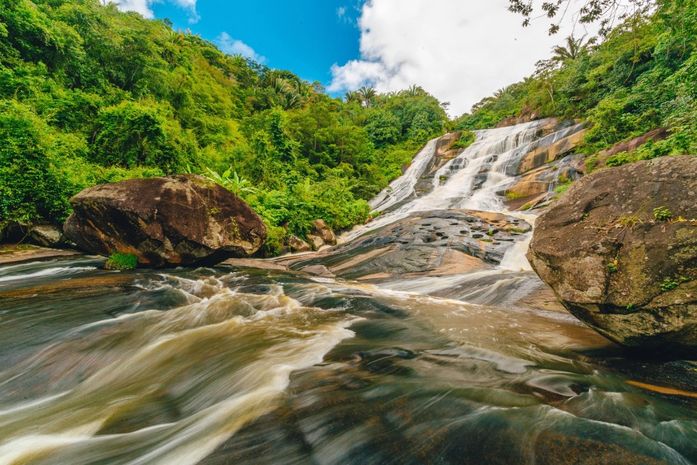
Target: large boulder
<point>620,251</point>
<point>165,221</point>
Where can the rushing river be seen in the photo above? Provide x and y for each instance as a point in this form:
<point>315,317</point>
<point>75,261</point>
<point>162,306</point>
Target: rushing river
<point>241,366</point>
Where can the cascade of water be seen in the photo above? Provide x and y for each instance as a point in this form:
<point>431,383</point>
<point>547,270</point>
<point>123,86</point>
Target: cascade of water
<point>403,187</point>
<point>472,180</point>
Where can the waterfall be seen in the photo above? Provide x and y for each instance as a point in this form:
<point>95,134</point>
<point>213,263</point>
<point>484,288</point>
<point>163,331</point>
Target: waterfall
<point>403,187</point>
<point>473,180</point>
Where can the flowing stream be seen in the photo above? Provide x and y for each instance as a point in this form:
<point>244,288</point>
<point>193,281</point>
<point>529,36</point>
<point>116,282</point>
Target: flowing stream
<point>247,366</point>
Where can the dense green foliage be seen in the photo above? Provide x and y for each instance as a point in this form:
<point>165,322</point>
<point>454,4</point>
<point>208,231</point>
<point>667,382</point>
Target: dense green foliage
<point>121,262</point>
<point>642,77</point>
<point>89,95</point>
<point>466,139</point>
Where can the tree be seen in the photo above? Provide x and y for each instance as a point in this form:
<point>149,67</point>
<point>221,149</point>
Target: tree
<point>382,127</point>
<point>562,54</point>
<point>606,12</point>
<point>367,96</point>
<point>571,50</point>
<point>28,185</point>
<point>134,134</point>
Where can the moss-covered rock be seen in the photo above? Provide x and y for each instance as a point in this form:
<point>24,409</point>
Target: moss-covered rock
<point>620,251</point>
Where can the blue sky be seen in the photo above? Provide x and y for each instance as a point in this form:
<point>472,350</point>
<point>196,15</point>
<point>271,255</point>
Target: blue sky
<point>458,50</point>
<point>304,36</point>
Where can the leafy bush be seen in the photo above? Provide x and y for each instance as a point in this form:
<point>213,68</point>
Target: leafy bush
<point>121,261</point>
<point>466,139</point>
<point>669,284</point>
<point>662,214</point>
<point>136,134</point>
<point>232,181</point>
<point>29,183</point>
<point>382,127</point>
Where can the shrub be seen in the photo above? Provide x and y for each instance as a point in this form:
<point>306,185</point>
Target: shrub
<point>662,214</point>
<point>466,139</point>
<point>669,284</point>
<point>382,127</point>
<point>29,185</point>
<point>619,159</point>
<point>121,262</point>
<point>561,188</point>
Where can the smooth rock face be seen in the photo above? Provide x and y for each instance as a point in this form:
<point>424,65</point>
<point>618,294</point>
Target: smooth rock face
<point>165,221</point>
<point>536,188</point>
<point>435,243</point>
<point>548,153</point>
<point>615,263</point>
<point>43,235</point>
<point>46,235</point>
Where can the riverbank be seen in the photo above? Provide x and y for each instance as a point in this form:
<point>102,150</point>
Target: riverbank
<point>12,254</point>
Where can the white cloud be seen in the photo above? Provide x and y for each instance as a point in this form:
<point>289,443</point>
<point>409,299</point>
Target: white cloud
<point>143,7</point>
<point>236,47</point>
<point>341,11</point>
<point>459,50</point>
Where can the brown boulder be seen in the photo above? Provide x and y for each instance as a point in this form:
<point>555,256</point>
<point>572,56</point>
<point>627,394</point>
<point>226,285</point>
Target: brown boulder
<point>320,229</point>
<point>315,242</point>
<point>165,221</point>
<point>536,188</point>
<point>298,245</point>
<point>620,251</point>
<point>526,116</point>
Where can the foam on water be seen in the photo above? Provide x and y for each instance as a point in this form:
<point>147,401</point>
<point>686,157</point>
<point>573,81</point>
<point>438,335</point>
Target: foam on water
<point>223,358</point>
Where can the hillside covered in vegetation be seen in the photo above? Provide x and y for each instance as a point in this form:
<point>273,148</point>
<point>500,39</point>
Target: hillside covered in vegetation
<point>641,77</point>
<point>90,95</point>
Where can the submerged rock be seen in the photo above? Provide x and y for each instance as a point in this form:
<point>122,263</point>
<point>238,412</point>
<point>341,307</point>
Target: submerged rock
<point>620,251</point>
<point>165,221</point>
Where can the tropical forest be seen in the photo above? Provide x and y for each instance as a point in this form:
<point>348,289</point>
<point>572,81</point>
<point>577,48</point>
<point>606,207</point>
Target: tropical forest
<point>313,232</point>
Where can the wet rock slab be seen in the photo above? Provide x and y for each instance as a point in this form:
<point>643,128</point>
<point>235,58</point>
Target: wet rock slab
<point>20,253</point>
<point>440,242</point>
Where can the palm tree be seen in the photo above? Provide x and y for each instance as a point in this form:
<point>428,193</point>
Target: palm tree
<point>414,91</point>
<point>353,96</point>
<point>367,95</point>
<point>572,50</point>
